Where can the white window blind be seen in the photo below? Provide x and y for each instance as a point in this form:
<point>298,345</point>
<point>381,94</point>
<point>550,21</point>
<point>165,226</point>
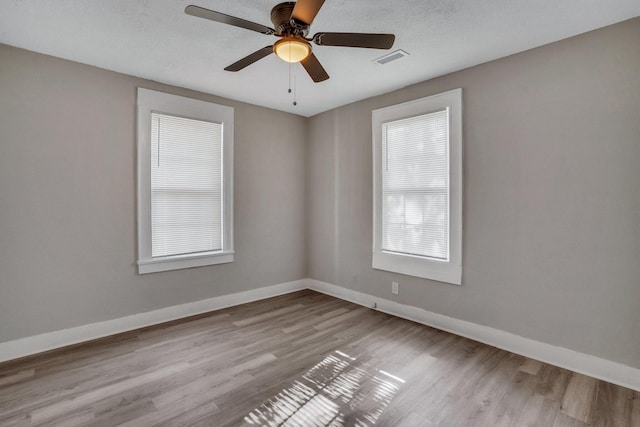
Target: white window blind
<point>415,186</point>
<point>186,186</point>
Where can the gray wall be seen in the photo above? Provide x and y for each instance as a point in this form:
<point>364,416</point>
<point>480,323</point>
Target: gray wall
<point>551,241</point>
<point>67,199</point>
<point>551,214</point>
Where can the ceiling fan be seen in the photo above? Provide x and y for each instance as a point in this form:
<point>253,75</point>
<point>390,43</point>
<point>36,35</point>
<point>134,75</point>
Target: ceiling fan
<point>292,21</point>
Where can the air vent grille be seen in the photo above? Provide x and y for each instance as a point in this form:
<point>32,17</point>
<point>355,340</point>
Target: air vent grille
<point>395,55</point>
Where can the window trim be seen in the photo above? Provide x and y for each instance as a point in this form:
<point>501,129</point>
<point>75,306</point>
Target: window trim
<point>429,268</point>
<point>149,101</point>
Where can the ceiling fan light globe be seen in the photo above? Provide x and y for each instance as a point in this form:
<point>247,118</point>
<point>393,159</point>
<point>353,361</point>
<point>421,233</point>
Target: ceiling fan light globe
<point>291,49</point>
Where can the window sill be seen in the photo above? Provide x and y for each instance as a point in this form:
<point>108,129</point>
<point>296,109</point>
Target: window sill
<point>179,262</point>
<point>426,268</point>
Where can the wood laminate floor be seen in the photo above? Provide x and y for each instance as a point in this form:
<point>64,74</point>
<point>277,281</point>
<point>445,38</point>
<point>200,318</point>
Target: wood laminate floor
<point>303,359</point>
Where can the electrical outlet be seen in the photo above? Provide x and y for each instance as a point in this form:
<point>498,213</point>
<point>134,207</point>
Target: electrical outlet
<point>394,288</point>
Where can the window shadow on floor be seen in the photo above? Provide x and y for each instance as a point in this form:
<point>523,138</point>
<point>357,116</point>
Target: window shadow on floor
<point>337,391</point>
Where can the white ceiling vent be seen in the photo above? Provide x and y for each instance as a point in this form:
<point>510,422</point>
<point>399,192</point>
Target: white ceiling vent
<point>396,54</point>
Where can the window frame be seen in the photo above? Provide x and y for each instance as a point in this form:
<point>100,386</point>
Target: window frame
<point>149,101</point>
<point>428,268</point>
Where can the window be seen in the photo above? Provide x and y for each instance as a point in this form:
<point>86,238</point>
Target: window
<point>185,172</point>
<point>417,155</point>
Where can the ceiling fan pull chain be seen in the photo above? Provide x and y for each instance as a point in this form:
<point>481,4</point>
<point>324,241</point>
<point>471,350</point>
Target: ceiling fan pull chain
<point>289,91</point>
<point>294,91</point>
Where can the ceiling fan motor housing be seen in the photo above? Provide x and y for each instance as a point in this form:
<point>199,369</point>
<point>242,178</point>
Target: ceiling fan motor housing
<point>284,24</point>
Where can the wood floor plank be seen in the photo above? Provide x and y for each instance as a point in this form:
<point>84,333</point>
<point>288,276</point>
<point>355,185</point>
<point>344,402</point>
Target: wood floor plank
<point>563,420</point>
<point>613,406</point>
<point>269,315</point>
<point>80,418</point>
<point>15,377</point>
<point>119,409</point>
<point>49,412</point>
<point>635,409</point>
<point>553,382</point>
<point>531,366</point>
<point>579,397</point>
<point>301,359</point>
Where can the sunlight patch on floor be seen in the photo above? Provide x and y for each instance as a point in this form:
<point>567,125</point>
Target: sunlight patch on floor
<point>336,391</point>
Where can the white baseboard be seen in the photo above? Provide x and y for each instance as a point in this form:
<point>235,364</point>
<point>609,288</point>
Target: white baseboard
<point>596,367</point>
<point>39,343</point>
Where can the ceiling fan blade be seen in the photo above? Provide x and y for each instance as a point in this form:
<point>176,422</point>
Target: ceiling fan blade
<point>306,10</point>
<point>373,41</point>
<point>201,12</point>
<point>314,68</point>
<point>250,59</point>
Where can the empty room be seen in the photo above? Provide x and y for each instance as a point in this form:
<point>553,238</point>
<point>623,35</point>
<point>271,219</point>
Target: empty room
<point>320,213</point>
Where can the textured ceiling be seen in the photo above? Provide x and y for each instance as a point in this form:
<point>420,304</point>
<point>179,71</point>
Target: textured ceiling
<point>155,39</point>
